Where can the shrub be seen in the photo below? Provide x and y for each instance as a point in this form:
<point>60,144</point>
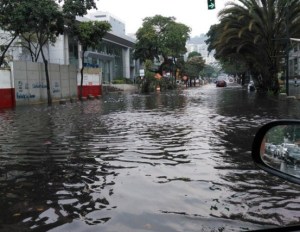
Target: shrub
<point>122,80</point>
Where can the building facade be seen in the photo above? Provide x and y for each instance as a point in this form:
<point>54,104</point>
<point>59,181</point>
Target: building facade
<point>294,59</point>
<point>110,61</point>
<point>112,56</point>
<point>197,44</point>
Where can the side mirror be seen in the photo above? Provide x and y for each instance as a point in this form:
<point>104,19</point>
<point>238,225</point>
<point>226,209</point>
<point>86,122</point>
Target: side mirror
<point>276,149</point>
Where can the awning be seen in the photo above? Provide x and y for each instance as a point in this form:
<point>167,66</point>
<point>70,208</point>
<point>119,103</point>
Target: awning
<point>98,55</point>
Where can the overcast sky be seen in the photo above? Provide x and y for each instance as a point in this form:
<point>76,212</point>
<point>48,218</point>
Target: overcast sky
<point>193,13</point>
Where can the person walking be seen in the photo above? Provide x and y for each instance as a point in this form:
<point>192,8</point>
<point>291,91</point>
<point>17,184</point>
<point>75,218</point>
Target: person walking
<point>295,82</point>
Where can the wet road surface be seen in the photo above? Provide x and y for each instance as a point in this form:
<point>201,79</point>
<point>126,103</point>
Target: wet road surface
<point>170,161</point>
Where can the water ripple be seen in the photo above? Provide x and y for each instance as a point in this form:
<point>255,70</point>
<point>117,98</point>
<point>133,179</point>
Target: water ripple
<point>175,161</point>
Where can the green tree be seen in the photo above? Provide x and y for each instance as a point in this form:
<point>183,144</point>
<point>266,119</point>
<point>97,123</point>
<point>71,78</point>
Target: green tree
<point>40,22</point>
<point>161,37</point>
<point>255,32</point>
<point>208,71</point>
<point>44,22</point>
<point>192,54</point>
<point>73,8</point>
<point>193,66</point>
<point>12,20</point>
<point>89,35</point>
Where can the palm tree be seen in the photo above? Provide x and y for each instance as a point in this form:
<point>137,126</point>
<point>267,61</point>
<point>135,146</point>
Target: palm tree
<point>258,31</point>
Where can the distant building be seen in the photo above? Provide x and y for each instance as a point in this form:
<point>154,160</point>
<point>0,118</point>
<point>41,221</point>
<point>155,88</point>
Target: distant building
<point>118,26</point>
<point>197,44</point>
<point>294,59</point>
<point>114,54</point>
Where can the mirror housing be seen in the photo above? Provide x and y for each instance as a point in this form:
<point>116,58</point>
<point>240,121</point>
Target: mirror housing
<point>272,162</point>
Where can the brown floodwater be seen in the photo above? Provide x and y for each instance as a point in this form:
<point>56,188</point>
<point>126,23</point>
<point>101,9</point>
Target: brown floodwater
<point>169,161</point>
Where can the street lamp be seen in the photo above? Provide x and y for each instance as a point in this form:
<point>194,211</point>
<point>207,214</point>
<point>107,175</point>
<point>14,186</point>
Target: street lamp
<point>287,50</point>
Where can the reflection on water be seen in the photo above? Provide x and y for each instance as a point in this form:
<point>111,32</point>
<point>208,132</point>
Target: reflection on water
<point>175,161</point>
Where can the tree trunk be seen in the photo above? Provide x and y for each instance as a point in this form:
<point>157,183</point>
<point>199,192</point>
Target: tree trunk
<point>47,79</point>
<point>81,73</point>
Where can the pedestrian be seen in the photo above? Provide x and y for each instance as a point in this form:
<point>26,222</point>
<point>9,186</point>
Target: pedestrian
<point>296,85</point>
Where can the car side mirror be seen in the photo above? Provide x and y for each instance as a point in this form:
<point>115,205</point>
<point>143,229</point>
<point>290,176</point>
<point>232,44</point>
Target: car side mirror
<point>276,149</point>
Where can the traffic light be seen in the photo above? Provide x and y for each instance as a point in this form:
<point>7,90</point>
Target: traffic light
<point>211,4</point>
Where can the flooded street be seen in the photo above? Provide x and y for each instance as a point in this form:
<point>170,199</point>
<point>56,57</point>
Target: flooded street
<point>170,161</point>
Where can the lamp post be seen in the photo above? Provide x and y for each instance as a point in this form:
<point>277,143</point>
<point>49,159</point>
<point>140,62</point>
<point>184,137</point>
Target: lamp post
<point>287,50</point>
<point>287,69</point>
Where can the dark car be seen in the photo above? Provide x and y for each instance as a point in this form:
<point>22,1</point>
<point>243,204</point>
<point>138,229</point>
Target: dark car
<point>221,83</point>
<point>292,155</point>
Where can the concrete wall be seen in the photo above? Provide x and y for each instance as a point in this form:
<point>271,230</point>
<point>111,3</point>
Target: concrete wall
<point>30,82</point>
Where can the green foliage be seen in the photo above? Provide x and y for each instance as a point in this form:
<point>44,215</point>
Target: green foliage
<point>148,65</point>
<point>122,80</point>
<point>118,82</point>
<point>14,15</point>
<point>12,20</point>
<point>282,89</point>
<point>234,64</point>
<point>73,8</point>
<point>90,33</point>
<point>276,135</point>
<point>42,20</point>
<point>192,54</point>
<point>149,83</point>
<point>209,71</point>
<point>193,66</point>
<point>43,25</point>
<point>161,37</point>
<point>167,84</point>
<point>45,20</point>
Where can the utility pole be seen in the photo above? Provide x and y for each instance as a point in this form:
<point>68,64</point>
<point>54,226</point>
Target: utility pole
<point>287,49</point>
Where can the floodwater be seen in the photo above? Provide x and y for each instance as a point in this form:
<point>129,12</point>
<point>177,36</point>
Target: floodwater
<point>170,161</point>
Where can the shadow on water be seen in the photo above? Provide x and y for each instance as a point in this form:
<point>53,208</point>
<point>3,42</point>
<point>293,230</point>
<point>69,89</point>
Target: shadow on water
<point>175,161</point>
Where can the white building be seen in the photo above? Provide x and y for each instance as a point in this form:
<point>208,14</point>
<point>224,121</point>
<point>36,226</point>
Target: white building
<point>294,59</point>
<point>113,56</point>
<point>197,44</point>
<point>118,26</point>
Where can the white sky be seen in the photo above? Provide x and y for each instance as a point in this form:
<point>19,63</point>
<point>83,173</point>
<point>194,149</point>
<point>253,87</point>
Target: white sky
<point>193,13</point>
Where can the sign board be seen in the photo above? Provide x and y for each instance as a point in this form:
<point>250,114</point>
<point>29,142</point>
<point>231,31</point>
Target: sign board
<point>142,72</point>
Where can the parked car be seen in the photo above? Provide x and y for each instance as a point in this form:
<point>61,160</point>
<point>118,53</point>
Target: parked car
<point>221,83</point>
<point>280,151</point>
<point>271,149</point>
<point>283,171</point>
<point>292,156</point>
<point>286,172</point>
